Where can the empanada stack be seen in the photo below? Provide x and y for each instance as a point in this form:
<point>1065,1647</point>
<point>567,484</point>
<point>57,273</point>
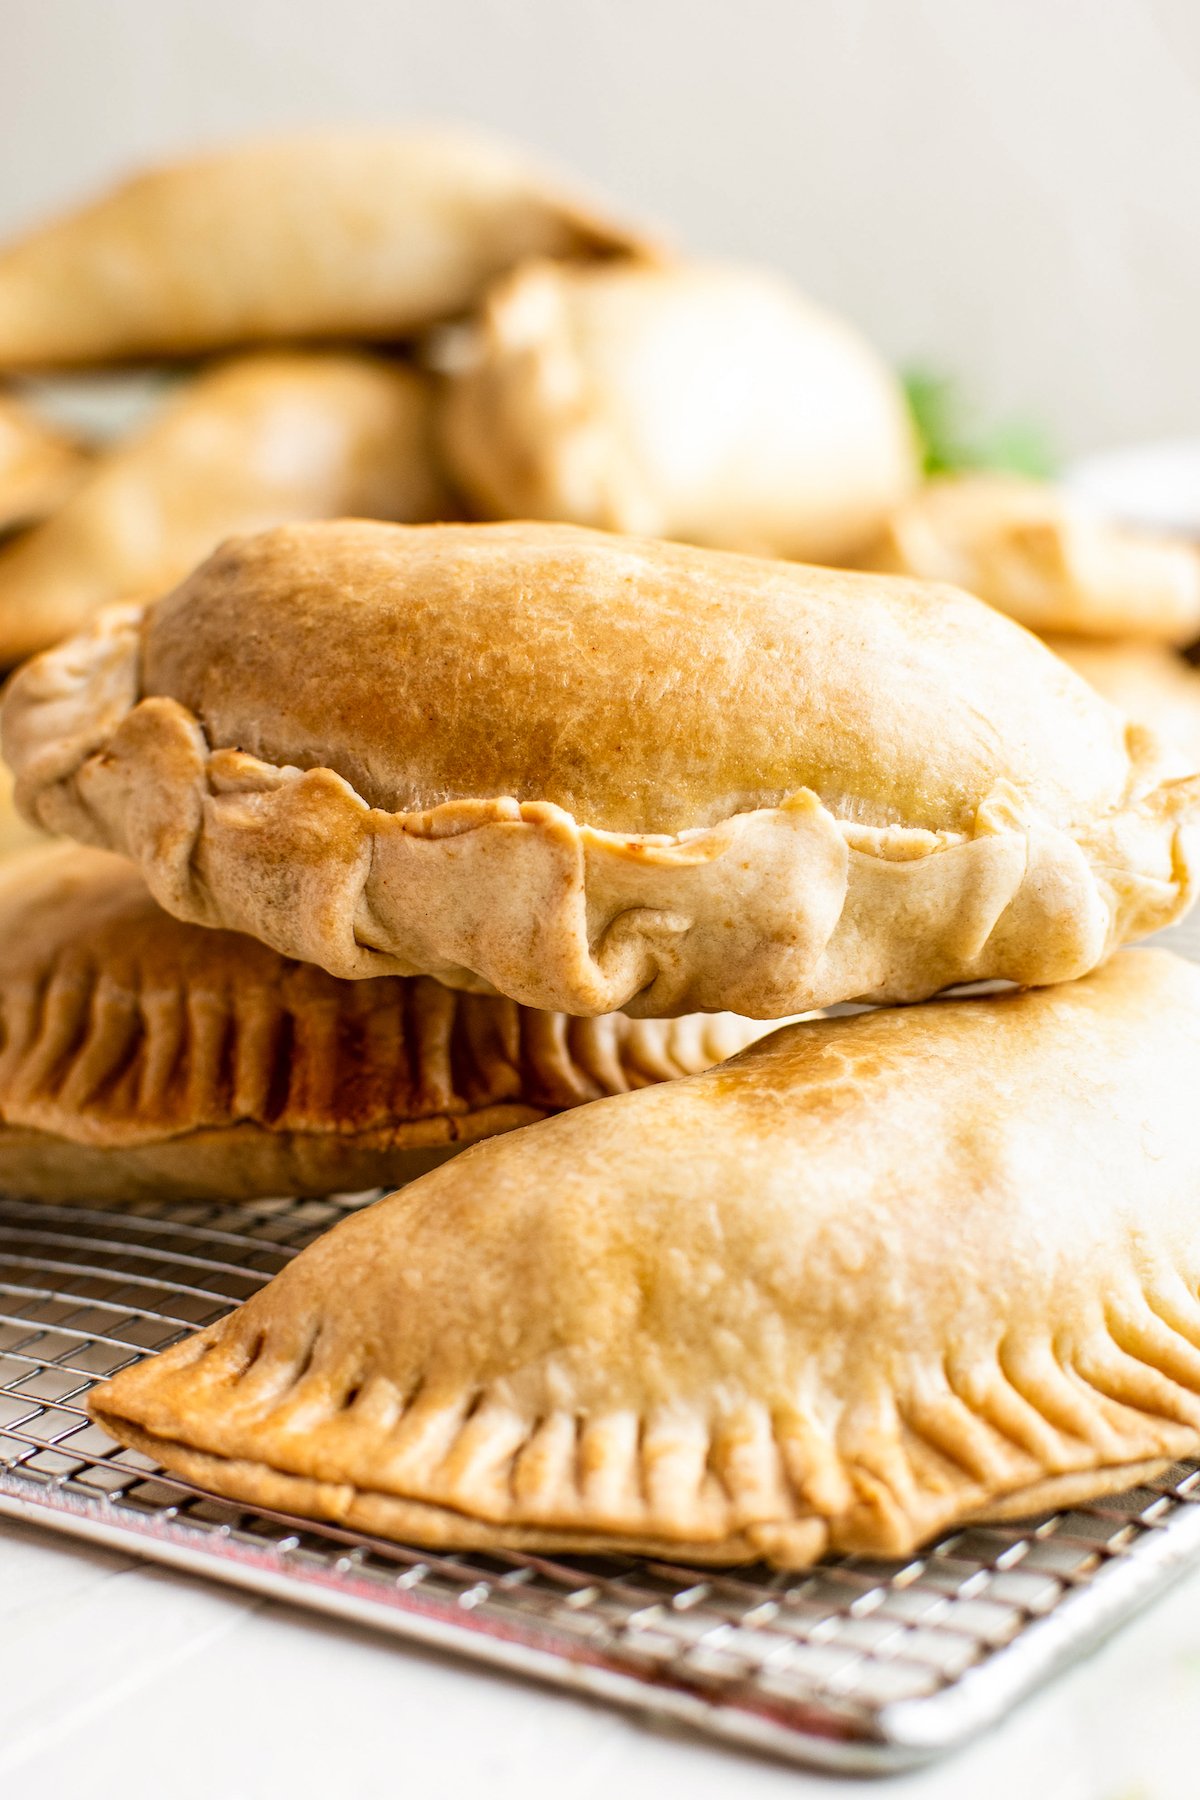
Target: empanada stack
<point>396,833</point>
<point>572,369</point>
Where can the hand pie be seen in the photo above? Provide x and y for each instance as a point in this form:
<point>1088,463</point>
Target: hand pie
<point>876,1276</point>
<point>593,772</point>
<point>39,465</point>
<point>1045,559</point>
<point>716,405</point>
<point>368,235</point>
<point>250,443</point>
<point>1148,682</point>
<point>142,1056</point>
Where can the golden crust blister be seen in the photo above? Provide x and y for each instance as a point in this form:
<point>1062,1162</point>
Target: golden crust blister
<point>142,1055</point>
<point>655,777</point>
<point>872,1278</point>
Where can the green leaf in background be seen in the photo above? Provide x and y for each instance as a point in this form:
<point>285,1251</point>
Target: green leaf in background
<point>951,441</point>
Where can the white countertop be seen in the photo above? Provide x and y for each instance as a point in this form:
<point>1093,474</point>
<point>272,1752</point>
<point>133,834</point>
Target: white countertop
<point>119,1681</point>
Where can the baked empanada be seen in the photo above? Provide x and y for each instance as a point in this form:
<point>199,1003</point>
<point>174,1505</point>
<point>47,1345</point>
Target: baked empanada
<point>711,404</point>
<point>368,235</point>
<point>1148,682</point>
<point>597,772</point>
<point>140,1056</point>
<point>249,443</point>
<point>39,465</point>
<point>1045,558</point>
<point>876,1276</point>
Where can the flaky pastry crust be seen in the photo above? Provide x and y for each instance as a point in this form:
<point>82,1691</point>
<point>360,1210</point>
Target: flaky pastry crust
<point>593,772</point>
<point>874,1277</point>
<point>140,1055</point>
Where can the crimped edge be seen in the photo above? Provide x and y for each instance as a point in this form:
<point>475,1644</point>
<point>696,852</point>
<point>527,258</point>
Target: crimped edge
<point>795,1543</point>
<point>653,924</point>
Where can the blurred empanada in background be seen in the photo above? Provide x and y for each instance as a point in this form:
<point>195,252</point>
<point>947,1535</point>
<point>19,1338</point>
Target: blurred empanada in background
<point>247,443</point>
<point>1045,558</point>
<point>358,234</point>
<point>39,464</point>
<point>591,771</point>
<point>1148,682</point>
<point>874,1277</point>
<point>712,404</point>
<point>140,1056</point>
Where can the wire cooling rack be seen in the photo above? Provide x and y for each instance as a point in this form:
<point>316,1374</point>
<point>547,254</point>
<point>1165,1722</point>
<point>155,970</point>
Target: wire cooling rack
<point>858,1665</point>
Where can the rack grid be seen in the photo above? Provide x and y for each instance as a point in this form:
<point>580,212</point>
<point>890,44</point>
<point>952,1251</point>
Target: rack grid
<point>857,1664</point>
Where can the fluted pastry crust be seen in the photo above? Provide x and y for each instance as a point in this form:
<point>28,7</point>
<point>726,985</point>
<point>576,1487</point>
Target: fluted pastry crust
<point>592,772</point>
<point>39,465</point>
<point>709,403</point>
<point>368,235</point>
<point>248,443</point>
<point>874,1277</point>
<point>142,1055</point>
<point>1044,557</point>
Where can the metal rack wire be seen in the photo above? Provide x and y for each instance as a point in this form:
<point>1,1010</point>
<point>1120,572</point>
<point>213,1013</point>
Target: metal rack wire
<point>857,1665</point>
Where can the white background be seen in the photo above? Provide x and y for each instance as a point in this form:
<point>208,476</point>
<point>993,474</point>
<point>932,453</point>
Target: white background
<point>1010,188</point>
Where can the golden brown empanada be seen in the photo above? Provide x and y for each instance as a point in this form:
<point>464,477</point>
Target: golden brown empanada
<point>39,465</point>
<point>1045,558</point>
<point>250,443</point>
<point>876,1276</point>
<point>597,772</point>
<point>139,1055</point>
<point>368,235</point>
<point>1148,682</point>
<point>711,404</point>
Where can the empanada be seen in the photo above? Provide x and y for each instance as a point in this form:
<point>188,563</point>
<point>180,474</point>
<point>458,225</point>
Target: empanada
<point>711,404</point>
<point>1148,682</point>
<point>139,1055</point>
<point>367,235</point>
<point>39,465</point>
<point>597,772</point>
<point>876,1276</point>
<point>1045,558</point>
<point>249,443</point>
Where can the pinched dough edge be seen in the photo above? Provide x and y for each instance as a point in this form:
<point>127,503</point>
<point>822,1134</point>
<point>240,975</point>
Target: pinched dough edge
<point>1037,1420</point>
<point>770,912</point>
